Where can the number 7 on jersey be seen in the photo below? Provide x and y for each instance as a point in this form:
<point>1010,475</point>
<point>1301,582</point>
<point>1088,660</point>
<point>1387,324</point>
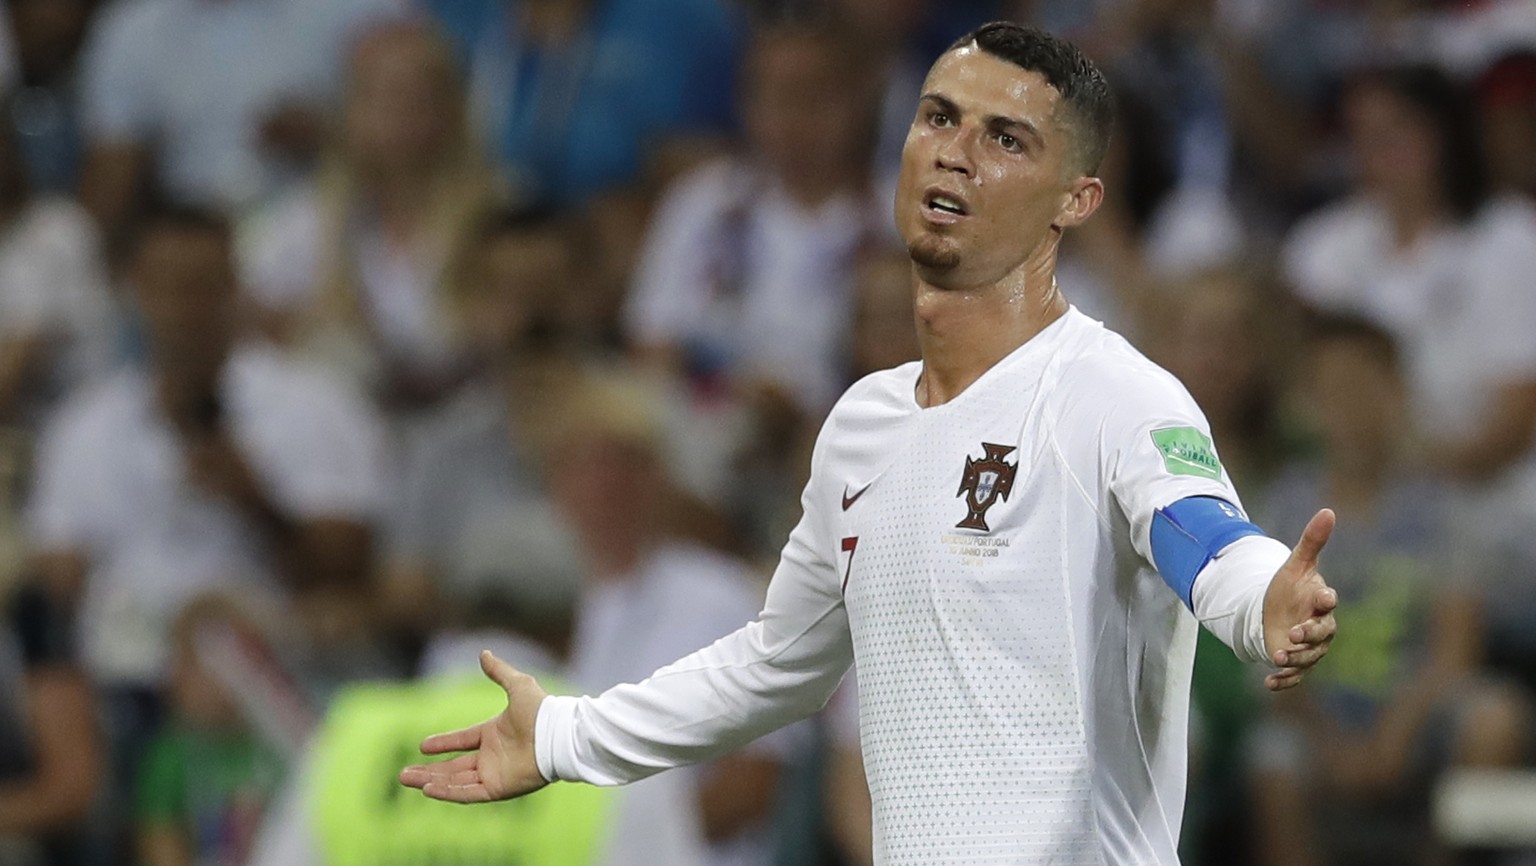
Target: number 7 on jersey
<point>850,544</point>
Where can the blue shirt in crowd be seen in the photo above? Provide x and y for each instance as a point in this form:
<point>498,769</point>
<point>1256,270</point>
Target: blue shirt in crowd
<point>569,123</point>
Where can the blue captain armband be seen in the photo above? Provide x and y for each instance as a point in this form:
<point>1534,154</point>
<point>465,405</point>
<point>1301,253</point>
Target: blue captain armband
<point>1189,534</point>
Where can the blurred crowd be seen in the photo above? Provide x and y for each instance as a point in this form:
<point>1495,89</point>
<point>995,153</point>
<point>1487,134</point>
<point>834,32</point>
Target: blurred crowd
<point>340,339</point>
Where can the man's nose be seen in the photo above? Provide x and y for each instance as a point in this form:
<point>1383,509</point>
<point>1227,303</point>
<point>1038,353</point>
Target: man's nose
<point>954,153</point>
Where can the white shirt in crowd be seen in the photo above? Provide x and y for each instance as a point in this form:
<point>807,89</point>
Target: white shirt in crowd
<point>1023,678</point>
<point>111,486</point>
<point>680,598</point>
<point>194,80</point>
<point>283,267</point>
<point>53,284</point>
<point>733,266</point>
<point>1461,302</point>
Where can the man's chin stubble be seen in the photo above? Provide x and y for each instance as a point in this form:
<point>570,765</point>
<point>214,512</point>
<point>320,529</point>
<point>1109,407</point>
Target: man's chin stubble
<point>932,253</point>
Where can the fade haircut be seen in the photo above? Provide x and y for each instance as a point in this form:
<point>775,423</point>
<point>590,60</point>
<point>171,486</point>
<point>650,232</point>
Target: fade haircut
<point>1089,105</point>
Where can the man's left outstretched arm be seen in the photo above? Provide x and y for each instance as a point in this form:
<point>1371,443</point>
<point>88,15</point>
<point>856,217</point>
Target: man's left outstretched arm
<point>1261,598</point>
<point>773,671</point>
<point>1267,602</point>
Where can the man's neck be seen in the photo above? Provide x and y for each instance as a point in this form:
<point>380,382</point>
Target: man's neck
<point>965,332</point>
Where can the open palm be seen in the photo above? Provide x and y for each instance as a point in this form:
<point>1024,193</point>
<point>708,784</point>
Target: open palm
<point>499,763</point>
<point>1298,608</point>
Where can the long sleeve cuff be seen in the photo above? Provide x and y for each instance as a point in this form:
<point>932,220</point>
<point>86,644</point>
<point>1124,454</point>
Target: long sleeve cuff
<point>1229,594</point>
<point>552,725</point>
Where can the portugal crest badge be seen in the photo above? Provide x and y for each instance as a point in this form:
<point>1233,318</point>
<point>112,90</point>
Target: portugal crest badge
<point>985,482</point>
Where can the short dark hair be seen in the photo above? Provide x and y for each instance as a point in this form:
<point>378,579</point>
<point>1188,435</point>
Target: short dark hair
<point>1450,111</point>
<point>1089,101</point>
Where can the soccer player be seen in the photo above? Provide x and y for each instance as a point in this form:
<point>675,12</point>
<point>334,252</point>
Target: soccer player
<point>1014,537</point>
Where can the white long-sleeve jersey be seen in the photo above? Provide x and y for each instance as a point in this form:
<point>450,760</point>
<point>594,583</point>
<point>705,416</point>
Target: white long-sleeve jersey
<point>1023,670</point>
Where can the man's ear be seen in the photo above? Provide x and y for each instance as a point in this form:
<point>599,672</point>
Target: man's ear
<point>1080,201</point>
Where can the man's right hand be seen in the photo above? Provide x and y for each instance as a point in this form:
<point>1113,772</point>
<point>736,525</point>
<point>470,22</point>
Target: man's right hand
<point>500,763</point>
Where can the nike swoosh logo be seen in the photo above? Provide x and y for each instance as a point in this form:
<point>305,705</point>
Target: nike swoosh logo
<point>849,500</point>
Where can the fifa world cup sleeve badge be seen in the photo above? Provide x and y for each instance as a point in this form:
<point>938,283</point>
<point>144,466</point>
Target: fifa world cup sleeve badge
<point>985,481</point>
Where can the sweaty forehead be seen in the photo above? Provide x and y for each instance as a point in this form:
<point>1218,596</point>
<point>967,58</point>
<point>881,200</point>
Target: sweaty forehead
<point>982,83</point>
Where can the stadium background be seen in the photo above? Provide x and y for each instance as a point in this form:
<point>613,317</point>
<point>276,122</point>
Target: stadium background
<point>537,306</point>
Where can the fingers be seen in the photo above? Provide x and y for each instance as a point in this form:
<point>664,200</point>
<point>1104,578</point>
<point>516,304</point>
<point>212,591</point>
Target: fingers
<point>1309,643</point>
<point>1325,600</point>
<point>457,741</point>
<point>1313,631</point>
<point>1286,678</point>
<point>1302,657</point>
<point>468,793</point>
<point>500,672</point>
<point>503,675</point>
<point>442,772</point>
<point>1317,533</point>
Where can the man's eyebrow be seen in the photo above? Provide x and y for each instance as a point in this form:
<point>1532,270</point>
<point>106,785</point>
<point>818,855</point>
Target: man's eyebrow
<point>944,103</point>
<point>1029,129</point>
<point>948,106</point>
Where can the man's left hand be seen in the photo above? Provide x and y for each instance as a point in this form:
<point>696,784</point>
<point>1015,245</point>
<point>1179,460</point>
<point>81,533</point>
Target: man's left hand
<point>1298,608</point>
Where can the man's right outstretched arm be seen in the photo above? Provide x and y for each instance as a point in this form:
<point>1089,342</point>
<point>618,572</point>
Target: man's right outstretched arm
<point>776,670</point>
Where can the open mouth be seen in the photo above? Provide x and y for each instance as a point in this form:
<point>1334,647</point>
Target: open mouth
<point>944,207</point>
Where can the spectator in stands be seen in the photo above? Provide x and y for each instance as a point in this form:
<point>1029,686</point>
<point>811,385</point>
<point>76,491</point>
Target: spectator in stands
<point>51,755</point>
<point>337,808</point>
<point>1105,267</point>
<point>56,316</point>
<point>1405,696</point>
<point>747,269</point>
<point>573,94</point>
<point>477,460</point>
<point>1424,250</point>
<point>612,229</point>
<point>207,776</point>
<point>892,33</point>
<point>44,110</point>
<point>215,463</point>
<point>649,597</point>
<point>1164,52</point>
<point>772,469</point>
<point>1167,60</point>
<point>1220,333</point>
<point>211,100</point>
<point>1287,61</point>
<point>359,267</point>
